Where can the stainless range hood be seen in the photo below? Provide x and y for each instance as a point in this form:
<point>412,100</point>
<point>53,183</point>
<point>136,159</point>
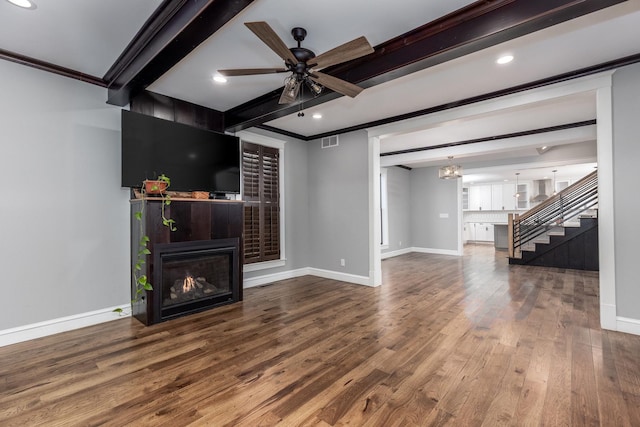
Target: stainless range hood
<point>541,190</point>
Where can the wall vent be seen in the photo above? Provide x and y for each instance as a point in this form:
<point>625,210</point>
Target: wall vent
<point>330,141</point>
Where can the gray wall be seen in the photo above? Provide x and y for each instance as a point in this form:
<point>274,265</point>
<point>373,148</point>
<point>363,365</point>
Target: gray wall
<point>339,204</point>
<point>431,196</point>
<point>399,208</point>
<point>626,154</point>
<point>296,197</point>
<point>65,220</point>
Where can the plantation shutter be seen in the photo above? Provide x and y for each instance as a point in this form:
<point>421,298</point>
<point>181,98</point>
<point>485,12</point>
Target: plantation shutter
<point>261,184</point>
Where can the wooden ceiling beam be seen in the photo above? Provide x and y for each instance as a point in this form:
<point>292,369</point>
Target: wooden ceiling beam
<point>175,29</point>
<point>478,26</point>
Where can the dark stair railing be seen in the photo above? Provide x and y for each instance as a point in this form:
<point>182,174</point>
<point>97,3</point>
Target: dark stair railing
<point>553,212</point>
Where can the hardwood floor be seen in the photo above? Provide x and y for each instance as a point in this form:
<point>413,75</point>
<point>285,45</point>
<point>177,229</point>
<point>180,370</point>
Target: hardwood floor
<point>461,341</point>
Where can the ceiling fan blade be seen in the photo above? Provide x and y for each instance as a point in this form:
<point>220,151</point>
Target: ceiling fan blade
<point>271,39</point>
<point>336,84</point>
<point>251,71</point>
<point>343,53</point>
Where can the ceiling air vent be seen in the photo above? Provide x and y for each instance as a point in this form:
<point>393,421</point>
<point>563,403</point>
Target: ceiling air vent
<point>331,141</point>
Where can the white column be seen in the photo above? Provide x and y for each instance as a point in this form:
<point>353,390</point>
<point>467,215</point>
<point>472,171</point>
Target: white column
<point>375,267</point>
<point>606,239</point>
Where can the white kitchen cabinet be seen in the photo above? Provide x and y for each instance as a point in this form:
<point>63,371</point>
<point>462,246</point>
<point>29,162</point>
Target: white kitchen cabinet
<point>496,197</point>
<point>509,197</point>
<point>465,199</point>
<point>484,232</point>
<point>480,198</point>
<point>474,198</point>
<point>477,232</point>
<point>467,233</point>
<point>523,196</point>
<point>503,197</point>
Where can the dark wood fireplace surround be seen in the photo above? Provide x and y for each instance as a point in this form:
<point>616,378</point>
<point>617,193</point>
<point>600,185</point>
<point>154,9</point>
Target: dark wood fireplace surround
<point>196,221</point>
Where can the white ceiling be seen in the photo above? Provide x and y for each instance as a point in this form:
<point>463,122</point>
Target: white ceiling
<point>82,35</point>
<point>88,36</point>
<point>536,115</point>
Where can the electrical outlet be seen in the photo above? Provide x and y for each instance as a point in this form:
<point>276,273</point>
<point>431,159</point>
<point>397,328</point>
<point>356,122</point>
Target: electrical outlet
<point>342,263</point>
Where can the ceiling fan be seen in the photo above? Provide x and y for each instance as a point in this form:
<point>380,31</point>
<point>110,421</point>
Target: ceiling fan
<point>304,64</point>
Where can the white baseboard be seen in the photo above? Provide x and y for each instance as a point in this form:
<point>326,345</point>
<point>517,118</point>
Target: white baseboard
<point>62,324</point>
<point>69,323</point>
<point>385,255</point>
<point>608,316</point>
<point>274,277</point>
<point>327,274</point>
<point>629,326</point>
<point>437,251</point>
<point>343,277</point>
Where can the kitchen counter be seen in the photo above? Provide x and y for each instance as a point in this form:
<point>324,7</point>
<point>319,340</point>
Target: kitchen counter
<point>500,236</point>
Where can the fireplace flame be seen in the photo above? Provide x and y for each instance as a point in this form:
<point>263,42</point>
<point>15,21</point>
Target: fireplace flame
<point>188,284</point>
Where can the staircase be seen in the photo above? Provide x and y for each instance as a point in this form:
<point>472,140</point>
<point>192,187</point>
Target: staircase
<point>560,232</point>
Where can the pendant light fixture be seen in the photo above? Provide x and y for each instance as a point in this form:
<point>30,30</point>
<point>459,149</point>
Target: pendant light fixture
<point>450,171</point>
<point>554,182</point>
<point>517,193</point>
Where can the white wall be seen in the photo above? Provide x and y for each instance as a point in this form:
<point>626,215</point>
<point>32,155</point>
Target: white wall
<point>65,219</point>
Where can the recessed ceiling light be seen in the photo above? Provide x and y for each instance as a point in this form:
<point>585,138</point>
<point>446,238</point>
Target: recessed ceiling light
<point>25,4</point>
<point>505,59</point>
<point>317,116</point>
<point>219,79</point>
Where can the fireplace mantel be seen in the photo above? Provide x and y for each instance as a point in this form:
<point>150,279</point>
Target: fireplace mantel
<point>196,221</point>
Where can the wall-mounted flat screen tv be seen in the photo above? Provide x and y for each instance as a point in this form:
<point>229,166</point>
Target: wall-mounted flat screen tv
<point>194,159</point>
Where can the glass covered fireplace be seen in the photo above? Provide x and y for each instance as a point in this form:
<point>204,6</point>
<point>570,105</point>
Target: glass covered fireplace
<point>194,276</point>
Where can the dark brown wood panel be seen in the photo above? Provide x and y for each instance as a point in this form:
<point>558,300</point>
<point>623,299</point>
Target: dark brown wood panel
<point>236,222</point>
<point>180,212</point>
<point>220,221</point>
<point>167,108</point>
<point>196,220</point>
<point>201,226</point>
<point>444,341</point>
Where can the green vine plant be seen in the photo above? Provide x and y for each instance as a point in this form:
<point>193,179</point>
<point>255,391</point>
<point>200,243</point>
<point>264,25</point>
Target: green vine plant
<point>140,279</point>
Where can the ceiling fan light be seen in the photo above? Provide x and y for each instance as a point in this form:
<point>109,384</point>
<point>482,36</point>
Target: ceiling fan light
<point>290,92</point>
<point>315,88</point>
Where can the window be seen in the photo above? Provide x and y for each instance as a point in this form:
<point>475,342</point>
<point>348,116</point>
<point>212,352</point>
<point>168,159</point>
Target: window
<point>261,194</point>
